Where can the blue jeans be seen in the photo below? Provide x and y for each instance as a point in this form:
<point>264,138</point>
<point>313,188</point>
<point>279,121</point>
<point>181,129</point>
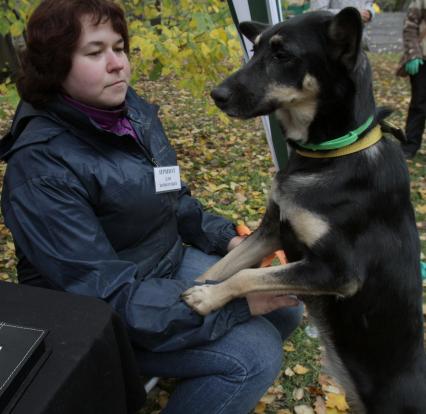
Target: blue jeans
<point>229,375</point>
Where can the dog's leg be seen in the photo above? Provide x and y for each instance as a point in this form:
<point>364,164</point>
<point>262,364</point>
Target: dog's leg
<point>299,278</point>
<point>264,241</point>
<point>248,253</point>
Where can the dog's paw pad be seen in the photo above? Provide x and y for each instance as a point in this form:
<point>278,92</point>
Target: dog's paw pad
<point>197,299</point>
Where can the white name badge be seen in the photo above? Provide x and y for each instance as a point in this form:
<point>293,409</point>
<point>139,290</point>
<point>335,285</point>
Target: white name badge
<point>167,178</point>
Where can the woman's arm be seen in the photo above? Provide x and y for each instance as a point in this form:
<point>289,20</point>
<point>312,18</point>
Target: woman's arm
<point>56,229</point>
<point>208,232</point>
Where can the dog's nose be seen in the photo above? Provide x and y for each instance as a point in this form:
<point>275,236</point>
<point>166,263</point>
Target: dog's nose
<point>221,95</point>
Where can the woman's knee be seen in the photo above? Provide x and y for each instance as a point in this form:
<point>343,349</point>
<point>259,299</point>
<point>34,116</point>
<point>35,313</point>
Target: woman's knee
<point>260,356</point>
<point>286,320</point>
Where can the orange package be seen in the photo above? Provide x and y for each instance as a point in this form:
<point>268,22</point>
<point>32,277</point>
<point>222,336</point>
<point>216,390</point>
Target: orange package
<point>243,230</point>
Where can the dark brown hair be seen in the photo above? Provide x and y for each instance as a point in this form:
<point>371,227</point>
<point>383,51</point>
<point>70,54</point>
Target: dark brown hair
<point>53,32</point>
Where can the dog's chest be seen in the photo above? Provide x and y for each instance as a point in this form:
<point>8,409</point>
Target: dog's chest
<point>308,225</point>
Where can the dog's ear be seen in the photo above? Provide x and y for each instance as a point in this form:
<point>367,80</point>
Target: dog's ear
<point>345,34</point>
<point>252,29</point>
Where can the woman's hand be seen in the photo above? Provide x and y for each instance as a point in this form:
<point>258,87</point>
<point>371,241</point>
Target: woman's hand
<point>366,15</point>
<point>261,303</point>
<point>412,67</point>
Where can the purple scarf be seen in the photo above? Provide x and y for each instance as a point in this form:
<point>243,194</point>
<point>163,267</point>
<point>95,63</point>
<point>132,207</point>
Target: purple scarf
<point>111,120</point>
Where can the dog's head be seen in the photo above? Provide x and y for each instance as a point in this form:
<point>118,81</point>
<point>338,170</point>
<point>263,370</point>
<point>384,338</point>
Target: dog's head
<point>307,70</point>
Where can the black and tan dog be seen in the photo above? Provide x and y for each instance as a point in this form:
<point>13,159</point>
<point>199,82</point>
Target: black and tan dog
<point>341,210</point>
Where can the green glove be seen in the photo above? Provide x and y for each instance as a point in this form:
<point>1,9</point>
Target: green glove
<point>413,66</point>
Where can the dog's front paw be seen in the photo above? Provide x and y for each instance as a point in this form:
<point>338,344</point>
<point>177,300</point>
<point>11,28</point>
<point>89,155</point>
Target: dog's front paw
<point>200,299</point>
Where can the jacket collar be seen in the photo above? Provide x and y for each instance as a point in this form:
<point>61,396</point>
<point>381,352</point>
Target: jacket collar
<point>57,117</point>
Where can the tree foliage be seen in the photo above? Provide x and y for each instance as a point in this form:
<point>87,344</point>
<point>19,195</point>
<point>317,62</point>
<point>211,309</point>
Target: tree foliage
<point>13,15</point>
<point>192,41</point>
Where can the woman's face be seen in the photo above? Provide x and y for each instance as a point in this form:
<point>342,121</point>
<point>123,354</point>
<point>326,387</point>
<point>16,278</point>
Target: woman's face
<point>100,71</point>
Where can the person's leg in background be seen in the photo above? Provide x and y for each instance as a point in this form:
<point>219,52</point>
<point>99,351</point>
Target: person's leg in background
<point>416,117</point>
<point>229,375</point>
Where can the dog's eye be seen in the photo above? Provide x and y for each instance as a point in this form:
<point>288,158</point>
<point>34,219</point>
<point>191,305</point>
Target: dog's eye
<point>282,57</point>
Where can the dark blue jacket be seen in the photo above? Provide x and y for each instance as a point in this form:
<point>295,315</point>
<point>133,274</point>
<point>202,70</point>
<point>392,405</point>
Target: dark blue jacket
<point>81,206</point>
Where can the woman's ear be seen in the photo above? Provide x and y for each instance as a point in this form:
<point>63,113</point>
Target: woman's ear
<point>252,29</point>
<point>345,35</point>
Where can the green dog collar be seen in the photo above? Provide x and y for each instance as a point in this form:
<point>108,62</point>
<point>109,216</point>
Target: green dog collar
<point>340,142</point>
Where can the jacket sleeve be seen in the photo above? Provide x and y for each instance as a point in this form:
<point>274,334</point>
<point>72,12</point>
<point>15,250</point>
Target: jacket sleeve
<point>368,5</point>
<point>411,31</point>
<point>209,232</point>
<point>322,5</point>
<point>329,5</point>
<point>55,227</point>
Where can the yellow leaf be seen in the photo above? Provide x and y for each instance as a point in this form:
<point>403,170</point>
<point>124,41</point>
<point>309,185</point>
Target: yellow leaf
<point>421,209</point>
<point>135,25</point>
<point>165,31</point>
<point>300,369</point>
<point>10,246</point>
<point>337,401</point>
<point>16,29</point>
<point>268,398</point>
<point>205,50</point>
<point>212,187</point>
<point>170,45</point>
<point>186,53</point>
<point>277,390</point>
<point>147,48</point>
<point>150,12</point>
<point>260,408</point>
<point>288,347</point>
<point>218,34</point>
<point>233,44</point>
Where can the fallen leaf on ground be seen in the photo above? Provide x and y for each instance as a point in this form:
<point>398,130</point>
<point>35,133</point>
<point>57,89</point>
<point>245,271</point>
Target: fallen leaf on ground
<point>268,398</point>
<point>298,394</point>
<point>163,398</point>
<point>260,408</point>
<point>317,391</point>
<point>331,389</point>
<point>319,406</point>
<point>421,209</point>
<point>303,409</point>
<point>337,401</point>
<point>300,369</point>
